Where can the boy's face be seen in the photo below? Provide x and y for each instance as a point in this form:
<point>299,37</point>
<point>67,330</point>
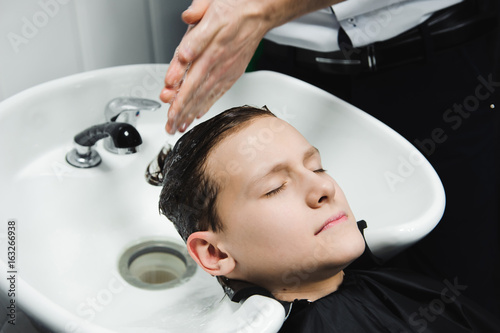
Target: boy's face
<point>286,221</point>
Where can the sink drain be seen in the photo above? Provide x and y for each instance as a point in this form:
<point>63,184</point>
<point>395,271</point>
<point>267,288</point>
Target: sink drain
<point>156,264</point>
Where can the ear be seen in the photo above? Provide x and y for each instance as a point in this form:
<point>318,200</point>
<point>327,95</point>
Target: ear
<point>205,248</point>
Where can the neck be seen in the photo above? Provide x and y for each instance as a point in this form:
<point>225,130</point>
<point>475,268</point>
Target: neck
<point>310,290</point>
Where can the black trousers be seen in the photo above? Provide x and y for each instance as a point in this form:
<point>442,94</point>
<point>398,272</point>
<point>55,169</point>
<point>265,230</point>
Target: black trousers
<point>448,107</point>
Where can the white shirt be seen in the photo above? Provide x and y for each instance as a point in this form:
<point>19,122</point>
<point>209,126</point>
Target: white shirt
<point>365,21</point>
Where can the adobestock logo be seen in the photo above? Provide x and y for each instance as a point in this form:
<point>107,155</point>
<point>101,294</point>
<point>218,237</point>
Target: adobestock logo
<point>453,119</point>
<point>381,20</point>
<point>455,116</point>
<point>94,304</point>
<point>150,83</point>
<point>31,27</point>
<point>405,169</point>
<point>428,314</point>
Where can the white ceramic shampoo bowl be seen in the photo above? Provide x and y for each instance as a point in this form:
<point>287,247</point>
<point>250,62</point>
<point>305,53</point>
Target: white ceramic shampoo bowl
<point>74,224</point>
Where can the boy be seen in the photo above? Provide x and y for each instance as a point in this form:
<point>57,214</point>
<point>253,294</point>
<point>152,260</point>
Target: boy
<point>248,194</point>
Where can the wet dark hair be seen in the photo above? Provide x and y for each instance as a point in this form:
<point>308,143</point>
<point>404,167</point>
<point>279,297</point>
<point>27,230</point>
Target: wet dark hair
<point>188,197</point>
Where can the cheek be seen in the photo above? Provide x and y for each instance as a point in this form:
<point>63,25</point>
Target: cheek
<point>264,224</point>
<point>245,221</point>
<point>280,216</point>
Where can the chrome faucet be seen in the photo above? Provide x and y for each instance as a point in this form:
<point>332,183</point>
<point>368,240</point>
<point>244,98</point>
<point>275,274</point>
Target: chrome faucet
<point>126,110</point>
<point>118,132</point>
<point>124,137</point>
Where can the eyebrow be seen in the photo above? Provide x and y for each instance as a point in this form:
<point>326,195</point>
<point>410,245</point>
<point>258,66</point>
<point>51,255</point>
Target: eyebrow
<point>280,166</point>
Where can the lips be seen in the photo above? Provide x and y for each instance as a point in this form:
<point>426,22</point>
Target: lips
<point>332,221</point>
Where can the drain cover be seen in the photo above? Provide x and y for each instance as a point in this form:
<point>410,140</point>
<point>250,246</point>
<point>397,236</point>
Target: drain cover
<point>156,264</point>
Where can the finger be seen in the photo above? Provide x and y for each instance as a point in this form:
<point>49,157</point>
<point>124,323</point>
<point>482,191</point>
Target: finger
<point>169,126</point>
<point>197,38</point>
<point>173,80</point>
<point>173,115</point>
<point>181,90</point>
<point>205,82</point>
<point>167,95</point>
<point>186,124</point>
<point>175,74</point>
<point>177,68</point>
<point>196,11</point>
<point>201,114</point>
<point>197,102</point>
<point>180,115</point>
<point>204,90</point>
<point>194,81</point>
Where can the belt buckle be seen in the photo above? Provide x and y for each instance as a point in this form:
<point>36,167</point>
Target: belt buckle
<point>343,63</point>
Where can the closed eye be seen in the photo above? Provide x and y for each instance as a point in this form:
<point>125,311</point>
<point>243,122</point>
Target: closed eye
<point>276,190</point>
<point>282,187</point>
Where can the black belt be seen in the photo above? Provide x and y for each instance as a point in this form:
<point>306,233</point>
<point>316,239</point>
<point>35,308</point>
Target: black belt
<point>444,30</point>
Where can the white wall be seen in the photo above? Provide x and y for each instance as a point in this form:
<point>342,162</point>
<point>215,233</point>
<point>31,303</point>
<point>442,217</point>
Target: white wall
<point>42,40</point>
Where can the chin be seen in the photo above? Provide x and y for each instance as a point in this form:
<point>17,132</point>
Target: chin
<point>356,248</point>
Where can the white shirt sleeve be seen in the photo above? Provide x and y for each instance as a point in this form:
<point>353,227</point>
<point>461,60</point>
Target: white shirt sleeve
<point>365,22</point>
<point>369,21</point>
<point>350,8</point>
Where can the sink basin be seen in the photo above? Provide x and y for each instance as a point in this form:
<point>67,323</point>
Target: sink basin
<point>73,226</point>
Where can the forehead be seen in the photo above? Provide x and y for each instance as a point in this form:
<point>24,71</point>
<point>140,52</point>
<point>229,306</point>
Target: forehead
<point>254,138</point>
<point>263,140</point>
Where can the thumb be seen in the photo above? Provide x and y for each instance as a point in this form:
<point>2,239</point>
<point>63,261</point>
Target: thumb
<point>195,12</point>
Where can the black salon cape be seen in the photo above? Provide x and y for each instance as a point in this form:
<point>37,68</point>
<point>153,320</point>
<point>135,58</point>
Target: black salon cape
<point>388,300</point>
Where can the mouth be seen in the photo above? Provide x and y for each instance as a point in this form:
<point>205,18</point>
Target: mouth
<point>332,221</point>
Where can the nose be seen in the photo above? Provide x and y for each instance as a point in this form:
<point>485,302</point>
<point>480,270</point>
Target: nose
<point>320,190</point>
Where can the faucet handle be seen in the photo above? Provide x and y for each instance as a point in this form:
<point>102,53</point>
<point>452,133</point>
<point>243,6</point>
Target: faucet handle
<point>127,109</point>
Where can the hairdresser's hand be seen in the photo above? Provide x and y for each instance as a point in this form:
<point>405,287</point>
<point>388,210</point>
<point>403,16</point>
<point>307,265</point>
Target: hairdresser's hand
<point>222,38</point>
